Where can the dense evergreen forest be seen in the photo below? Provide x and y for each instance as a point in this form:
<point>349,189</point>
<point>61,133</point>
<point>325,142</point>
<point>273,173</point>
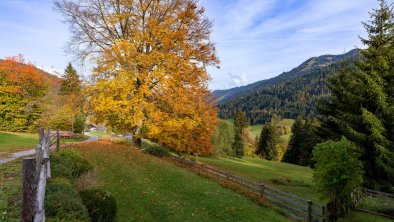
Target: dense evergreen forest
<point>289,95</point>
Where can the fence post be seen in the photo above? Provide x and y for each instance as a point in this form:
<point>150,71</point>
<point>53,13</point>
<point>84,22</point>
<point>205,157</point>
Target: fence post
<point>309,219</point>
<point>323,210</point>
<point>41,133</point>
<point>57,140</point>
<point>227,176</point>
<point>29,189</point>
<point>262,187</point>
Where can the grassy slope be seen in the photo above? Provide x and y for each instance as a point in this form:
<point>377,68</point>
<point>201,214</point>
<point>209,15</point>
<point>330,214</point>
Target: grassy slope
<point>151,189</point>
<point>289,178</point>
<point>268,172</point>
<point>255,130</point>
<point>12,142</point>
<point>11,191</point>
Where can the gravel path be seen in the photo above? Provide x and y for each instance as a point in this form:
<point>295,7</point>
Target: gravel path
<point>17,155</point>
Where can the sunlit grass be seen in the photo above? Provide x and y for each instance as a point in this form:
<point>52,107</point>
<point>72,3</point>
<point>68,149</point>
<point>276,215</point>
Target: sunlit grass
<point>290,178</point>
<point>148,188</point>
<point>13,142</point>
<point>11,191</point>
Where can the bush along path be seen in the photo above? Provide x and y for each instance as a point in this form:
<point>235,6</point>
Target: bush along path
<point>74,194</point>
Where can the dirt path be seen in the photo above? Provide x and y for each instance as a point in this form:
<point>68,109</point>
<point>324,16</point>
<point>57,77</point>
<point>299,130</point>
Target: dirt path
<point>17,155</point>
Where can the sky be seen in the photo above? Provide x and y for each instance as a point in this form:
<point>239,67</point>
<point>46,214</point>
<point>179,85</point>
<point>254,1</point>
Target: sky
<point>255,39</point>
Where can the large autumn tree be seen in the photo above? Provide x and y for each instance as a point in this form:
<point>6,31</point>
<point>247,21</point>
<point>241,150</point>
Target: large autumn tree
<point>151,76</point>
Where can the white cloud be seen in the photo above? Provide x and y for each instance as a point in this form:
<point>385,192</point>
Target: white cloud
<point>265,38</point>
<point>236,80</point>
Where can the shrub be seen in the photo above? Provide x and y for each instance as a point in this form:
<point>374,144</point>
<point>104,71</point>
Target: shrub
<point>79,123</point>
<point>62,202</point>
<point>59,167</point>
<point>76,162</point>
<point>156,150</point>
<point>101,205</point>
<point>88,180</point>
<point>69,163</point>
<point>338,173</point>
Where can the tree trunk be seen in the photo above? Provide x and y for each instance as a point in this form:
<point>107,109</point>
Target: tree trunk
<point>137,140</point>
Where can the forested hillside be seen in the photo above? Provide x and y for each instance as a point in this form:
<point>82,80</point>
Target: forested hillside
<point>290,94</point>
<point>31,98</point>
<point>25,94</point>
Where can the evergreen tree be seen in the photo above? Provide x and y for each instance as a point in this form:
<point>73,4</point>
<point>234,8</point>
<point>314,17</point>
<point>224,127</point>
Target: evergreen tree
<point>71,83</point>
<point>240,120</point>
<point>238,145</point>
<point>240,124</point>
<point>71,89</point>
<point>269,139</point>
<point>309,140</point>
<point>293,151</point>
<point>361,103</point>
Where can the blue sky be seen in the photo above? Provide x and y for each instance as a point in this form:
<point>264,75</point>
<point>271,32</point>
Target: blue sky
<point>255,39</point>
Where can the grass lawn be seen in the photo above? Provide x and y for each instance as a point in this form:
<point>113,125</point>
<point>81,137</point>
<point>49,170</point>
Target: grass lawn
<point>11,191</point>
<point>148,188</point>
<point>283,176</point>
<point>78,137</point>
<point>99,134</point>
<point>255,130</point>
<point>286,177</point>
<point>13,142</point>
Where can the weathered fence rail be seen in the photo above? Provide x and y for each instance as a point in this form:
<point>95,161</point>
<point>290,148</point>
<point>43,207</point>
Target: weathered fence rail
<point>36,172</point>
<point>376,193</point>
<point>297,207</point>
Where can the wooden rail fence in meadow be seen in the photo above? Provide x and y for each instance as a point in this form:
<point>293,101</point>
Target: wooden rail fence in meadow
<point>36,171</point>
<point>386,210</point>
<point>376,193</point>
<point>294,206</point>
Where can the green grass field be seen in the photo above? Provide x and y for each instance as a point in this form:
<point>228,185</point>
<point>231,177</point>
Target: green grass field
<point>99,134</point>
<point>13,142</point>
<point>255,130</point>
<point>78,137</point>
<point>148,188</point>
<point>283,176</point>
<point>286,177</point>
<point>11,191</point>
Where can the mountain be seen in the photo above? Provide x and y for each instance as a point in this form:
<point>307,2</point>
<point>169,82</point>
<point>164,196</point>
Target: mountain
<point>290,94</point>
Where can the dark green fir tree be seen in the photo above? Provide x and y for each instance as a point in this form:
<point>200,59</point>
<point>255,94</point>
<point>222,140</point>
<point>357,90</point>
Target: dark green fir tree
<point>361,103</point>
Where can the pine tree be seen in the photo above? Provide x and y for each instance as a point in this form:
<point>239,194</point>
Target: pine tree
<point>71,83</point>
<point>268,141</point>
<point>239,144</point>
<point>361,103</point>
<point>293,151</point>
<point>309,140</point>
<point>240,124</point>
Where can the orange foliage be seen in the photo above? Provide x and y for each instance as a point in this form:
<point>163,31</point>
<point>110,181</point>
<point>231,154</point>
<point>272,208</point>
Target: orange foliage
<point>21,78</point>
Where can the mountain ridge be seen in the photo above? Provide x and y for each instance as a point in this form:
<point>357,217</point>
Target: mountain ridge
<point>289,94</point>
<point>309,64</point>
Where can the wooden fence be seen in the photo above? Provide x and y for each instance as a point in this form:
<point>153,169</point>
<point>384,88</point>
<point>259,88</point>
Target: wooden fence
<point>36,171</point>
<point>294,206</point>
<point>376,193</point>
<point>381,204</point>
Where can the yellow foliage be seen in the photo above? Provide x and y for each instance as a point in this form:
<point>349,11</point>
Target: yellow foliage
<point>151,80</point>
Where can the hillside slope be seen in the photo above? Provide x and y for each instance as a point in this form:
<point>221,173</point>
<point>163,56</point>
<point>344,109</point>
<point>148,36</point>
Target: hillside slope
<point>290,94</point>
<point>148,188</point>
